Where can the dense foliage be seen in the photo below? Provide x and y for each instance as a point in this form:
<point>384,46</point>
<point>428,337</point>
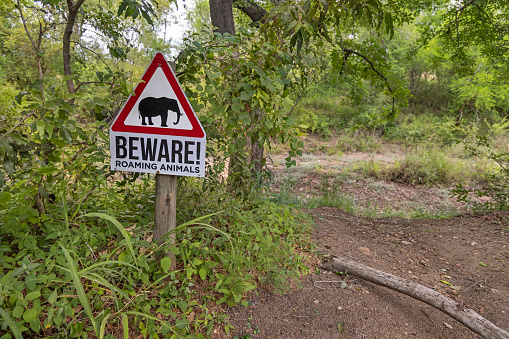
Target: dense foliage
<point>76,252</point>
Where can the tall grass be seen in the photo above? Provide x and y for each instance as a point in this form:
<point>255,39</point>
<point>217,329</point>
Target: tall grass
<point>431,167</point>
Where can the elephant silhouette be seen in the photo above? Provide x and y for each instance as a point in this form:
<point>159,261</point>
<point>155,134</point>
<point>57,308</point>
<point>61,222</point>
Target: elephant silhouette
<point>150,107</point>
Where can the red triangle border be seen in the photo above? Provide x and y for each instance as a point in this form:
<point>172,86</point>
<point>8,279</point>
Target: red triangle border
<point>159,61</point>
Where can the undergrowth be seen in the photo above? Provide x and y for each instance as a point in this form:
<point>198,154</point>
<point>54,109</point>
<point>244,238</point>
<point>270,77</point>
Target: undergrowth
<point>89,267</point>
<point>429,167</point>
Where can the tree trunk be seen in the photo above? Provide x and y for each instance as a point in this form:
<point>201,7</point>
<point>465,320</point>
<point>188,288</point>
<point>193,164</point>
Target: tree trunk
<point>431,297</point>
<point>221,15</point>
<point>255,150</point>
<point>255,156</point>
<point>39,60</point>
<point>66,40</point>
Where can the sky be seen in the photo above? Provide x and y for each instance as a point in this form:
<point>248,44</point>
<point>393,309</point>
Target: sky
<point>178,25</point>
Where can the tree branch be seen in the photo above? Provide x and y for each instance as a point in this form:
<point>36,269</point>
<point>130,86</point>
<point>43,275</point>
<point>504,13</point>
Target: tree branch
<point>446,30</point>
<point>425,294</point>
<point>93,82</point>
<point>348,52</point>
<point>19,124</point>
<point>66,40</point>
<point>93,52</point>
<point>255,12</point>
<point>351,51</point>
<point>26,29</point>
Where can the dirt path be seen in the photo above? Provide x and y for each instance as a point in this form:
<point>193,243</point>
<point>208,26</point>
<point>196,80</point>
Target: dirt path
<point>465,257</point>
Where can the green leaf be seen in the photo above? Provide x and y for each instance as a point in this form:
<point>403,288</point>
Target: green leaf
<point>125,326</point>
<point>182,305</point>
<point>289,28</point>
<point>35,324</point>
<point>300,40</point>
<point>142,262</point>
<point>48,170</point>
<point>306,7</point>
<point>181,323</point>
<point>29,315</point>
<point>19,97</point>
<point>147,17</point>
<point>389,25</point>
<point>282,72</point>
<point>33,295</point>
<point>103,326</point>
<point>482,264</point>
<point>166,264</point>
<point>4,196</point>
<point>41,127</point>
<point>341,327</point>
<point>9,166</point>
<point>203,273</point>
<point>149,316</point>
<point>12,325</point>
<point>118,225</point>
<point>244,96</point>
<point>18,311</point>
<point>79,289</point>
<point>65,134</point>
<point>52,297</point>
<point>122,7</point>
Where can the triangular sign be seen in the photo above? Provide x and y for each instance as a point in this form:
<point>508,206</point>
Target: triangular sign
<point>159,106</point>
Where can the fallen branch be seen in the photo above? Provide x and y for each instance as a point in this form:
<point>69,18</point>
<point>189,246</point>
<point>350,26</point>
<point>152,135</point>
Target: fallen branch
<point>425,294</point>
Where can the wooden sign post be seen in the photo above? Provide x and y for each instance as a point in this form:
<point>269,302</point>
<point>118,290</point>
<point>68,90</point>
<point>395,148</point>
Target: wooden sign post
<point>157,131</point>
<point>166,210</point>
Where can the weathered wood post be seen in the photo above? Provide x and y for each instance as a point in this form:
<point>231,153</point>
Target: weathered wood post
<point>166,210</point>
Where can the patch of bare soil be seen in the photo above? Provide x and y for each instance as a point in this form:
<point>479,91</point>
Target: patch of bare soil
<point>465,257</point>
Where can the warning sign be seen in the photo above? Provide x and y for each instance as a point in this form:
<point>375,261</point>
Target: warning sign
<point>157,130</point>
